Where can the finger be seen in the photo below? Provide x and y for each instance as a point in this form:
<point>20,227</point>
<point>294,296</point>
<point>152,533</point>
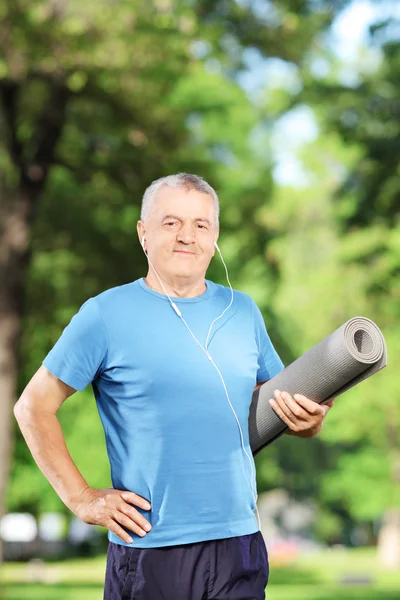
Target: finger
<point>283,406</point>
<point>309,405</point>
<point>115,528</point>
<point>136,517</point>
<point>298,416</point>
<point>133,498</point>
<point>119,517</point>
<point>277,408</point>
<point>297,411</point>
<point>330,403</point>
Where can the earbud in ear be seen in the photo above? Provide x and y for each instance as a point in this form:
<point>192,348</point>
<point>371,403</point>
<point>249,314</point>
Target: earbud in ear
<point>142,242</point>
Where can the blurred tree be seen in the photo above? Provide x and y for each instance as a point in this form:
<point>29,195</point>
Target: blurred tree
<point>76,94</point>
<point>369,217</point>
<point>356,271</point>
<point>97,100</point>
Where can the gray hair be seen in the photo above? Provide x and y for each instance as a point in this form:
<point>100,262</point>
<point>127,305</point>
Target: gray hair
<point>184,180</point>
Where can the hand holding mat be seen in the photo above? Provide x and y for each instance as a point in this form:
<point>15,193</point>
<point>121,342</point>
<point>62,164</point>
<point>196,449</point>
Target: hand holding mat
<point>347,356</point>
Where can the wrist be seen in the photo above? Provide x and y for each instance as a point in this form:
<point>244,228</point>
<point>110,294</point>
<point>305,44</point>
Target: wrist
<point>76,499</point>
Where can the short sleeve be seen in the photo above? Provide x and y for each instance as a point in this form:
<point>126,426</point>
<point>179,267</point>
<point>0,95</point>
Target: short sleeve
<point>79,355</point>
<point>269,362</point>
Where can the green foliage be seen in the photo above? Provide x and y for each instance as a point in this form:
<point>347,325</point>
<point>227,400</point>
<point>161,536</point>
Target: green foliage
<point>145,89</point>
<point>365,478</point>
<point>99,100</point>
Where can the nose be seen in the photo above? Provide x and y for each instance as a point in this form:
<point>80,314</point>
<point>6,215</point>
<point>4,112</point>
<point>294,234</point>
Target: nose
<point>186,234</point>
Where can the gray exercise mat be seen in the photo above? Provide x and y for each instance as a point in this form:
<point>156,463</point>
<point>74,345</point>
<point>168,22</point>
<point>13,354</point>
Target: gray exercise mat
<point>347,356</point>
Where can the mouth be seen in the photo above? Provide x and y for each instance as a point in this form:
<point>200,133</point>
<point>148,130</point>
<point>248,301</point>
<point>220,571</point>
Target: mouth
<point>183,252</point>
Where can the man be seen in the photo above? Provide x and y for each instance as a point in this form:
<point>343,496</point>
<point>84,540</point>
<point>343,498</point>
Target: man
<point>180,514</point>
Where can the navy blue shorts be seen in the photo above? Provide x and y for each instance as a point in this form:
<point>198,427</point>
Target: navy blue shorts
<point>229,569</point>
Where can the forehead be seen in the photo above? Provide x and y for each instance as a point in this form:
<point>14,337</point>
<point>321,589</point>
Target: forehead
<point>183,203</point>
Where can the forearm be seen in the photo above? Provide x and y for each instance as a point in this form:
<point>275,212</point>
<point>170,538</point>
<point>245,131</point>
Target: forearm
<point>45,439</point>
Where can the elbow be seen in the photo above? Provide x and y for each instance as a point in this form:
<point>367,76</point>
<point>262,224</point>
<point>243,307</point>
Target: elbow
<point>31,410</point>
<point>19,410</point>
<point>22,410</point>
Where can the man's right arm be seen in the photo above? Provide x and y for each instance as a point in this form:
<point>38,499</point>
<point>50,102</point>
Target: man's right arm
<point>36,413</point>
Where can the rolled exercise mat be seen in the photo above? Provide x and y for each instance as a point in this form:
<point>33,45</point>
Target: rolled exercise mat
<point>347,356</point>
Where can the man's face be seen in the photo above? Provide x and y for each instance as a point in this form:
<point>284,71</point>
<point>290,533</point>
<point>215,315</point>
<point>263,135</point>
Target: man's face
<point>180,233</point>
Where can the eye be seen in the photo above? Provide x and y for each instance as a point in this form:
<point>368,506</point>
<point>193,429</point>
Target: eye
<point>201,226</point>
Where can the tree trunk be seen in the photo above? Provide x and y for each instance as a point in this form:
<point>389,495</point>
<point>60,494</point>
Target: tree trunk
<point>389,540</point>
<point>17,212</point>
<point>389,535</point>
<point>9,332</point>
<point>14,259</point>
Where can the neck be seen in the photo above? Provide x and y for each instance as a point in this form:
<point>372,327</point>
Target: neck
<point>176,288</point>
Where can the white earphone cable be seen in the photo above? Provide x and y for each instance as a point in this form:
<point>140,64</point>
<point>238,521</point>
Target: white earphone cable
<point>229,305</point>
<point>205,350</point>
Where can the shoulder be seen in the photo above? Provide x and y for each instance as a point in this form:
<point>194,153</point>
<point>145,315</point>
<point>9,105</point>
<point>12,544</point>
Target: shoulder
<point>115,296</point>
<point>242,300</point>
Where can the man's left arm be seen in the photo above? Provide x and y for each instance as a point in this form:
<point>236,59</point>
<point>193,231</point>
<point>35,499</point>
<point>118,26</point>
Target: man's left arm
<point>303,416</point>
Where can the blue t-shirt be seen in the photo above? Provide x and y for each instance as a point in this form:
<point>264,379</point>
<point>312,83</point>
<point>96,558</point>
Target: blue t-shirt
<point>170,432</point>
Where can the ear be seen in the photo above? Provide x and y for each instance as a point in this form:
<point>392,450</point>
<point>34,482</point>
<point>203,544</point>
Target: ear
<point>215,240</point>
<point>141,231</point>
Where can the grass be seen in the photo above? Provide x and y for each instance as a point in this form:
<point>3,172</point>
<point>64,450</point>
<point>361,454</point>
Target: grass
<point>319,576</point>
<point>334,575</point>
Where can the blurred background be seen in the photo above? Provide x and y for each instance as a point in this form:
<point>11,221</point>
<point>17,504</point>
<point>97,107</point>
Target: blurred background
<point>291,110</point>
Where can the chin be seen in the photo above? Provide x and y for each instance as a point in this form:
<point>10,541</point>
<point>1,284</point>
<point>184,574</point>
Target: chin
<point>185,273</point>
